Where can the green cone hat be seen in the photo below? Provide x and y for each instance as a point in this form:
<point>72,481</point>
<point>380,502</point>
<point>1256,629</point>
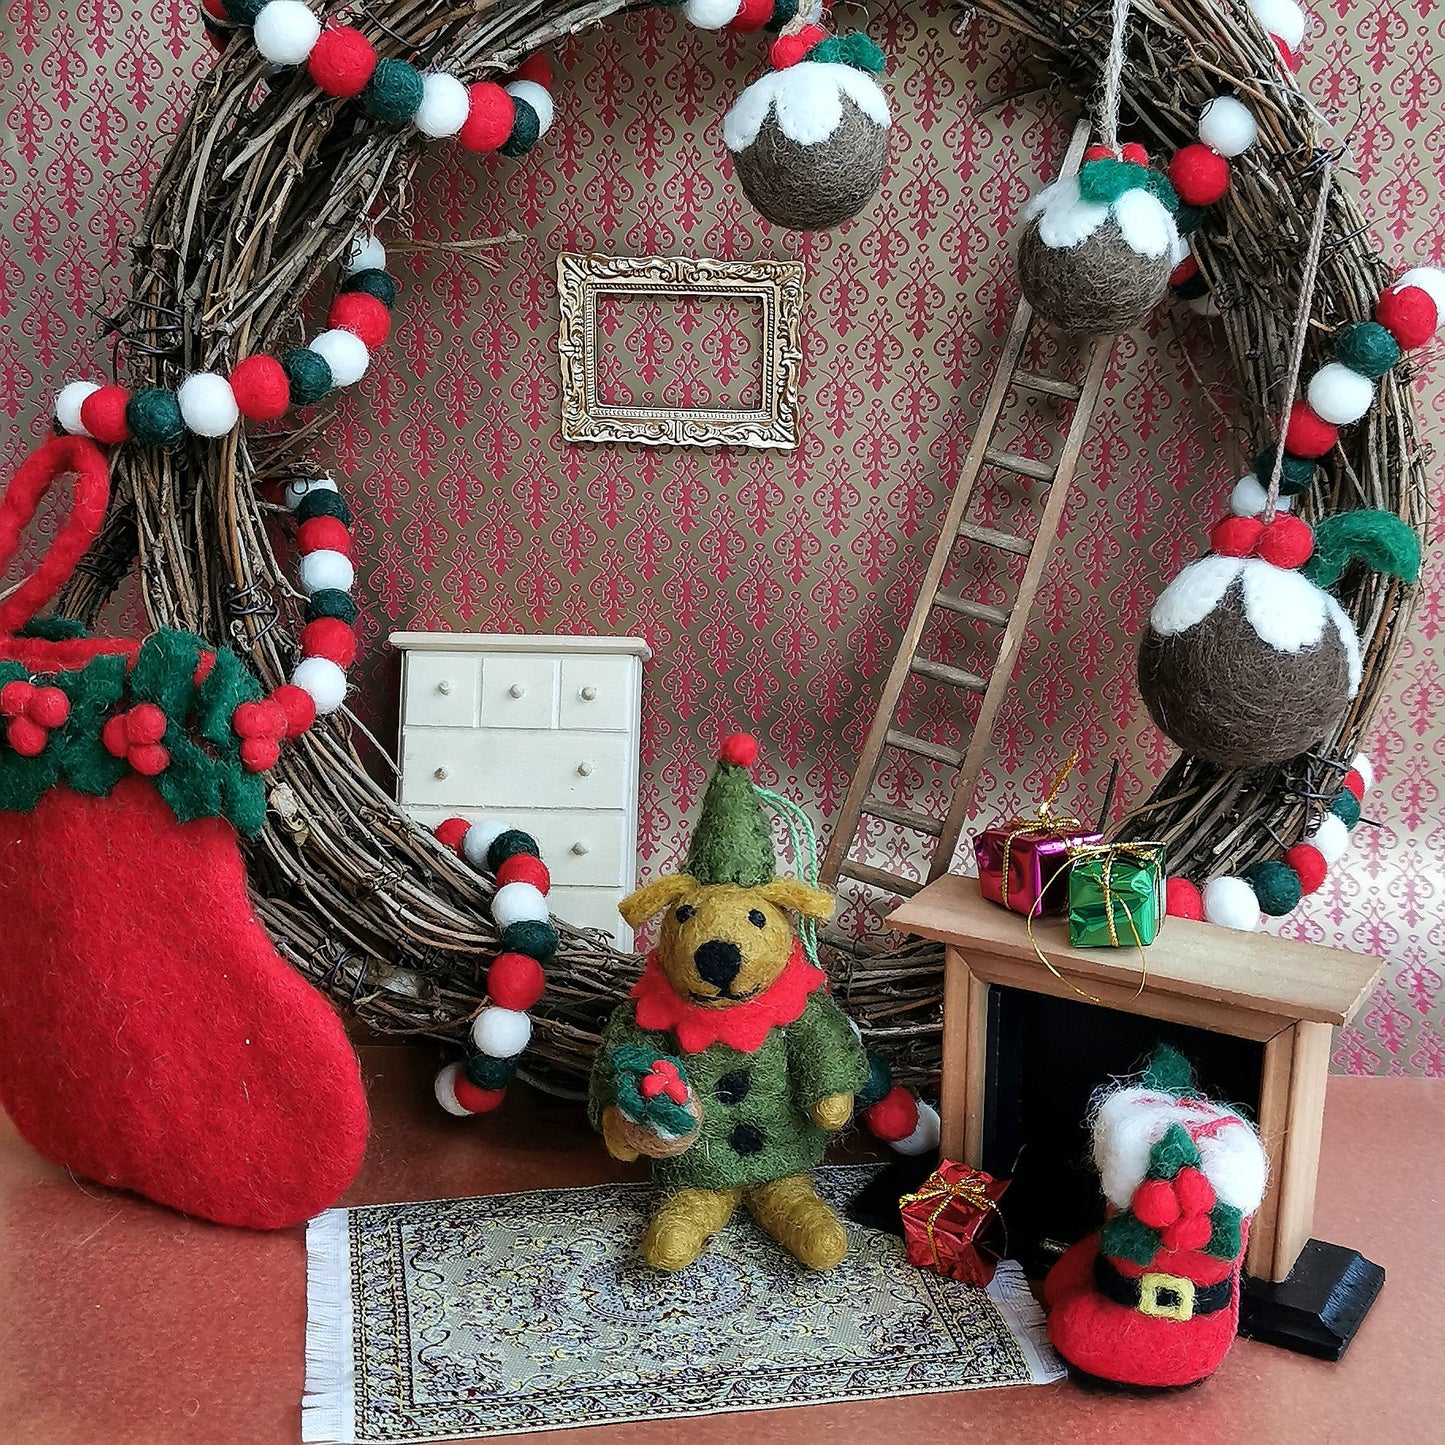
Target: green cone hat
<point>733,841</point>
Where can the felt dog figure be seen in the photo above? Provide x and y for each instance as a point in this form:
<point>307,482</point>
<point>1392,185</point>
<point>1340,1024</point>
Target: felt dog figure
<point>746,1037</point>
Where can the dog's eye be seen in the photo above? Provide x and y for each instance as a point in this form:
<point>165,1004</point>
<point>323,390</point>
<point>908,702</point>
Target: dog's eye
<point>756,918</point>
<point>685,912</point>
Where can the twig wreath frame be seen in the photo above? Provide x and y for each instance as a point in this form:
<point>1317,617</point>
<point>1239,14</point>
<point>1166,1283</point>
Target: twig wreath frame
<point>264,188</point>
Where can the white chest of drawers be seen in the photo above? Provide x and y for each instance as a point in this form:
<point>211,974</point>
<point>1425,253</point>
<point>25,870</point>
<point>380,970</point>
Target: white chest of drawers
<point>541,733</point>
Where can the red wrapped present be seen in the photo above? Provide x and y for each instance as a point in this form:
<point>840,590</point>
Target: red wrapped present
<point>946,1222</point>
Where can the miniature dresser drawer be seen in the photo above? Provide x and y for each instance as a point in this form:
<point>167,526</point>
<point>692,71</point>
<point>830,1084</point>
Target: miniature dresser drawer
<point>581,849</point>
<point>597,692</point>
<point>519,691</point>
<point>441,689</point>
<point>591,908</point>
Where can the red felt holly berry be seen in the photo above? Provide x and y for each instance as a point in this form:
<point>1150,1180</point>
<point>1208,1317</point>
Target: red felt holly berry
<point>1136,154</point>
<point>1183,900</point>
<point>1408,313</point>
<point>1193,1191</point>
<point>788,50</point>
<point>14,697</point>
<point>26,738</point>
<point>894,1116</point>
<point>260,387</point>
<point>48,706</point>
<point>331,638</point>
<point>1200,175</point>
<point>663,1078</point>
<point>515,981</point>
<point>1355,784</point>
<point>525,868</point>
<point>362,315</point>
<point>1286,542</point>
<point>489,117</point>
<point>1190,1231</point>
<point>263,719</point>
<point>33,713</point>
<point>324,534</point>
<point>752,15</point>
<point>342,61</point>
<point>299,707</point>
<point>1309,863</point>
<point>451,832</point>
<point>1308,435</point>
<point>102,414</point>
<point>740,749</point>
<point>204,663</point>
<point>136,736</point>
<point>1235,536</point>
<point>1155,1203</point>
<point>536,68</point>
<point>1098,153</point>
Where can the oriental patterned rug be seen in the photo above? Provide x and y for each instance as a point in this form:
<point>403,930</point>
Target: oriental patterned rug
<point>522,1312</point>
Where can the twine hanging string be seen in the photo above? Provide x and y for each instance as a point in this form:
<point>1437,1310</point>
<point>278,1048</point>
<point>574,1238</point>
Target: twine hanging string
<point>1301,332</point>
<point>1114,77</point>
<point>803,844</point>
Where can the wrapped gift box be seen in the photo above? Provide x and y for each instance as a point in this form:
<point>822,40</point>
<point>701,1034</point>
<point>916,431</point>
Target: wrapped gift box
<point>946,1222</point>
<point>1116,895</point>
<point>1023,864</point>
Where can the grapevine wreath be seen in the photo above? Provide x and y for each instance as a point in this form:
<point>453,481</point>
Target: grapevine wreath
<point>298,146</point>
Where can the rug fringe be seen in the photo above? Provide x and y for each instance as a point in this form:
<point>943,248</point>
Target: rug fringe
<point>328,1412</point>
<point>1010,1291</point>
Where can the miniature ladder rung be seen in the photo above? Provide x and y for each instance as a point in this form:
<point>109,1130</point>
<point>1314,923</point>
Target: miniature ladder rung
<point>953,676</point>
<point>915,822</point>
<point>992,537</point>
<point>1047,385</point>
<point>906,742</point>
<point>1024,466</point>
<point>878,878</point>
<point>969,608</point>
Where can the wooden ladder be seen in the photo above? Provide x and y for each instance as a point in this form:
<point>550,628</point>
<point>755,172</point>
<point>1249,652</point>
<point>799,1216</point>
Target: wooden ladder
<point>1013,620</point>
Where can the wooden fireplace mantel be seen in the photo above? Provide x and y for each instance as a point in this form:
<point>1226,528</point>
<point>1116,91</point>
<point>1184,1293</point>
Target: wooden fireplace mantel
<point>1284,994</point>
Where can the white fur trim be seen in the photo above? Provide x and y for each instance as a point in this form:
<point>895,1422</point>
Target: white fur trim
<point>1145,224</point>
<point>68,401</point>
<point>1430,279</point>
<point>501,1033</point>
<point>1331,836</point>
<point>807,101</point>
<point>925,1135</point>
<point>1365,768</point>
<point>1231,903</point>
<point>1194,594</point>
<point>478,839</point>
<point>538,98</point>
<point>518,903</point>
<point>1282,18</point>
<point>1131,1121</point>
<point>445,1089</point>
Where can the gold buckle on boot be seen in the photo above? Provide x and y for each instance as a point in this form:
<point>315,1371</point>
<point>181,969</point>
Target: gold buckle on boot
<point>1166,1297</point>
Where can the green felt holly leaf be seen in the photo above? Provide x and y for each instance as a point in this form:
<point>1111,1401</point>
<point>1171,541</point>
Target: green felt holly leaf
<point>1171,1153</point>
<point>1102,182</point>
<point>1228,1232</point>
<point>95,693</point>
<point>1168,1071</point>
<point>1125,1237</point>
<point>1378,539</point>
<point>854,49</point>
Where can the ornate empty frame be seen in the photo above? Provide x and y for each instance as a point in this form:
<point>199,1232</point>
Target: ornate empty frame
<point>775,286</point>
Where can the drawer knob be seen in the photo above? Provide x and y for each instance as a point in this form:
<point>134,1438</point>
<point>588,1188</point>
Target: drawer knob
<point>444,686</point>
<point>581,849</point>
<point>584,770</point>
<point>441,774</point>
<point>516,690</point>
<point>588,693</point>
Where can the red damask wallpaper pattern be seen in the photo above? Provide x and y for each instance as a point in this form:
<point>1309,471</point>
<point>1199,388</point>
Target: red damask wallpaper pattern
<point>772,587</point>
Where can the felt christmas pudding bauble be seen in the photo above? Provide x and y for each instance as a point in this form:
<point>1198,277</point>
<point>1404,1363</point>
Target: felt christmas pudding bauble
<point>1246,660</point>
<point>1097,248</point>
<point>810,141</point>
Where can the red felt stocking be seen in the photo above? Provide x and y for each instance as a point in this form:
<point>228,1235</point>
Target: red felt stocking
<point>150,1036</point>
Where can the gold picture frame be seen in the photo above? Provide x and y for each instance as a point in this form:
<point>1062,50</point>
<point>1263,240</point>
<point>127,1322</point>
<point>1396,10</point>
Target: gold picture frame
<point>775,286</point>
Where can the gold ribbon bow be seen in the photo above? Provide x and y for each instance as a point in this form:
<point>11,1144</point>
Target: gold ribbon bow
<point>969,1190</point>
<point>1045,824</point>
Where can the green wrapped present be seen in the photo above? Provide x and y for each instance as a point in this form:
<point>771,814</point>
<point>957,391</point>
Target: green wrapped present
<point>1116,894</point>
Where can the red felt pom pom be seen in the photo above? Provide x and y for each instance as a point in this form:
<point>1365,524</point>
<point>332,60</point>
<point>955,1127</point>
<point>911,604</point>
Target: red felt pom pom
<point>264,720</point>
<point>331,638</point>
<point>145,723</point>
<point>1194,1192</point>
<point>1408,313</point>
<point>515,981</point>
<point>1155,1203</point>
<point>26,737</point>
<point>1200,175</point>
<point>1136,153</point>
<point>1183,900</point>
<point>324,534</point>
<point>1235,536</point>
<point>1193,1231</point>
<point>1354,783</point>
<point>1286,542</point>
<point>260,387</point>
<point>451,833</point>
<point>473,1099</point>
<point>215,9</point>
<point>1309,863</point>
<point>894,1116</point>
<point>342,61</point>
<point>362,315</point>
<point>536,68</point>
<point>15,697</point>
<point>102,414</point>
<point>1292,59</point>
<point>752,15</point>
<point>525,868</point>
<point>1186,270</point>
<point>739,749</point>
<point>48,706</point>
<point>489,119</point>
<point>1308,435</point>
<point>1098,153</point>
<point>299,707</point>
<point>788,50</point>
<point>259,754</point>
<point>150,760</point>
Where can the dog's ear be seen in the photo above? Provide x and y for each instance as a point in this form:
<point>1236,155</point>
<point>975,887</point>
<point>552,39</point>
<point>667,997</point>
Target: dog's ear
<point>654,897</point>
<point>797,896</point>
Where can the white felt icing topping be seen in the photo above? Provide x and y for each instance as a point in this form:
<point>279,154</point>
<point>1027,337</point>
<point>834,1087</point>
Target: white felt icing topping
<point>1194,594</point>
<point>1349,637</point>
<point>1146,225</point>
<point>807,101</point>
<point>1066,220</point>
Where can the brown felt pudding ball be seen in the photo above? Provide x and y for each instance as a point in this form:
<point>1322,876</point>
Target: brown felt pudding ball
<point>1245,664</point>
<point>809,143</point>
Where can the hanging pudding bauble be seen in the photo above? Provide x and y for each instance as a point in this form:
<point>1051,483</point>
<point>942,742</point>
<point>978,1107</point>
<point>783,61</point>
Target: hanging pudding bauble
<point>1246,661</point>
<point>810,143</point>
<point>1097,248</point>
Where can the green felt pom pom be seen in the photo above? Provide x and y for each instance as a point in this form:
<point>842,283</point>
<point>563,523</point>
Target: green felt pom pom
<point>489,1073</point>
<point>1277,886</point>
<point>526,129</point>
<point>880,1081</point>
<point>374,283</point>
<point>536,940</point>
<point>394,92</point>
<point>331,602</point>
<point>1367,348</point>
<point>1162,189</point>
<point>508,845</point>
<point>1188,219</point>
<point>323,502</point>
<point>308,374</point>
<point>1379,539</point>
<point>854,49</point>
<point>784,11</point>
<point>1347,808</point>
<point>243,12</point>
<point>154,417</point>
<point>1295,478</point>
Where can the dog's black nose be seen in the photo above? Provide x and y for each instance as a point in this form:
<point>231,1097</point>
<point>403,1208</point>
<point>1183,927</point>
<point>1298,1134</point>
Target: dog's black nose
<point>717,963</point>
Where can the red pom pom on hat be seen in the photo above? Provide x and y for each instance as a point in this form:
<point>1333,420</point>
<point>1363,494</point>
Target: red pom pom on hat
<point>1183,900</point>
<point>515,981</point>
<point>102,414</point>
<point>740,750</point>
<point>1286,541</point>
<point>260,387</point>
<point>1200,175</point>
<point>1408,313</point>
<point>299,707</point>
<point>1309,863</point>
<point>324,534</point>
<point>331,638</point>
<point>1308,435</point>
<point>489,120</point>
<point>451,832</point>
<point>362,315</point>
<point>525,868</point>
<point>536,68</point>
<point>894,1116</point>
<point>1235,536</point>
<point>342,61</point>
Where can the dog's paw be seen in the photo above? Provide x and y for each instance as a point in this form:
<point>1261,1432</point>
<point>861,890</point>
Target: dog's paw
<point>833,1112</point>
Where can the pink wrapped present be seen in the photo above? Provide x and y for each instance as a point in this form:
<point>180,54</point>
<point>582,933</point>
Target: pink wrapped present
<point>1023,864</point>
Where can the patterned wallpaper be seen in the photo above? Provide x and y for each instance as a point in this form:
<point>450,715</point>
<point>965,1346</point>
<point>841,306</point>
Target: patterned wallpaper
<point>773,588</point>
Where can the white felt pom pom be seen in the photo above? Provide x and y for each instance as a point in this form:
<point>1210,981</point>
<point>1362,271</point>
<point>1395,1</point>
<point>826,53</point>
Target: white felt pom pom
<point>1230,903</point>
<point>345,353</point>
<point>1365,768</point>
<point>501,1033</point>
<point>286,32</point>
<point>1332,837</point>
<point>1431,280</point>
<point>366,253</point>
<point>1340,395</point>
<point>68,402</point>
<point>1282,18</point>
<point>711,14</point>
<point>478,839</point>
<point>1250,495</point>
<point>325,570</point>
<point>445,103</point>
<point>925,1135</point>
<point>538,98</point>
<point>323,681</point>
<point>207,403</point>
<point>295,491</point>
<point>1226,126</point>
<point>445,1089</point>
<point>518,903</point>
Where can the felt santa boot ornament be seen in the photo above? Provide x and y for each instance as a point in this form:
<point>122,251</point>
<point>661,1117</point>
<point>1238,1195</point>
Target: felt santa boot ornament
<point>1152,1298</point>
<point>150,1036</point>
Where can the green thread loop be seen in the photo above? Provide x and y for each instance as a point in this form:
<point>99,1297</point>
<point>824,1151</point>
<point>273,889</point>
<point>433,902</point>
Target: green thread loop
<point>803,844</point>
